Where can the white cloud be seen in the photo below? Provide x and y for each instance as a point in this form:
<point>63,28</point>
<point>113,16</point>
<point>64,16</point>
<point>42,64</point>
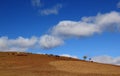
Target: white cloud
<point>24,42</point>
<point>74,29</point>
<point>18,44</point>
<point>36,3</point>
<point>107,20</point>
<point>107,59</point>
<point>87,26</point>
<point>3,43</point>
<point>67,55</point>
<point>48,42</point>
<point>118,5</point>
<point>46,11</point>
<point>53,10</point>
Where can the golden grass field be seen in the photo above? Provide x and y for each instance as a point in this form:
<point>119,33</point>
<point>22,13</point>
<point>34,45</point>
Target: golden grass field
<point>13,64</point>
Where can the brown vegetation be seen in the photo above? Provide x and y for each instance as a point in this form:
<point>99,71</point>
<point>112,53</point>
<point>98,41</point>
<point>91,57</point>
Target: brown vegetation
<point>50,65</point>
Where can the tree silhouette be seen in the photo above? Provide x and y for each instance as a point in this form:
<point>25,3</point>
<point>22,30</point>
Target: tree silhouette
<point>90,59</point>
<point>84,57</point>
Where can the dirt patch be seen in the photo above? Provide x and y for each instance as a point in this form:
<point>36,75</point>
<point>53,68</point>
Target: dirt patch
<point>85,67</point>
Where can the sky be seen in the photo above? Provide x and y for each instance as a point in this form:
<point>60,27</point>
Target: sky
<point>72,28</point>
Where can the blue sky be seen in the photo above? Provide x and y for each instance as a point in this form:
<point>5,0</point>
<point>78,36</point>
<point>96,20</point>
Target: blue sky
<point>20,20</point>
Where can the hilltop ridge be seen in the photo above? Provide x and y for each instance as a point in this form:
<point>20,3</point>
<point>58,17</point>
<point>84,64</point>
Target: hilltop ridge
<point>28,64</point>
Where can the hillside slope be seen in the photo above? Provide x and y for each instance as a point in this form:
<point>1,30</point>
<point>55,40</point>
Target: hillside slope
<point>26,64</point>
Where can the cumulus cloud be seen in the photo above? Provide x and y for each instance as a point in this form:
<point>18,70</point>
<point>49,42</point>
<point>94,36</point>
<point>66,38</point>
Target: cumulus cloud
<point>87,26</point>
<point>74,29</point>
<point>36,3</point>
<point>118,5</point>
<point>23,42</point>
<point>46,11</point>
<point>107,59</point>
<point>54,10</point>
<point>67,55</point>
<point>18,44</point>
<point>3,43</point>
<point>48,42</point>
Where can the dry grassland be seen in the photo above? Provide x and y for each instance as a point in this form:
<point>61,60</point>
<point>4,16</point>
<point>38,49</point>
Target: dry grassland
<point>46,65</point>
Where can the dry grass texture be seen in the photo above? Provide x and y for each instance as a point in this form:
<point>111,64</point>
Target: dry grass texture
<point>85,67</point>
<point>46,65</point>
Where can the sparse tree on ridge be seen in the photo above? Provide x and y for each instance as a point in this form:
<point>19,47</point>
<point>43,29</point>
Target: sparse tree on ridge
<point>90,59</point>
<point>84,57</point>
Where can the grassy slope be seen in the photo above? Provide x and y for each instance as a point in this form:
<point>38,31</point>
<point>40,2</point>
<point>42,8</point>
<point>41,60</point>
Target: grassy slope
<point>44,65</point>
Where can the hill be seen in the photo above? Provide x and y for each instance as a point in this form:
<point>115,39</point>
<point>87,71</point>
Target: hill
<point>27,64</point>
